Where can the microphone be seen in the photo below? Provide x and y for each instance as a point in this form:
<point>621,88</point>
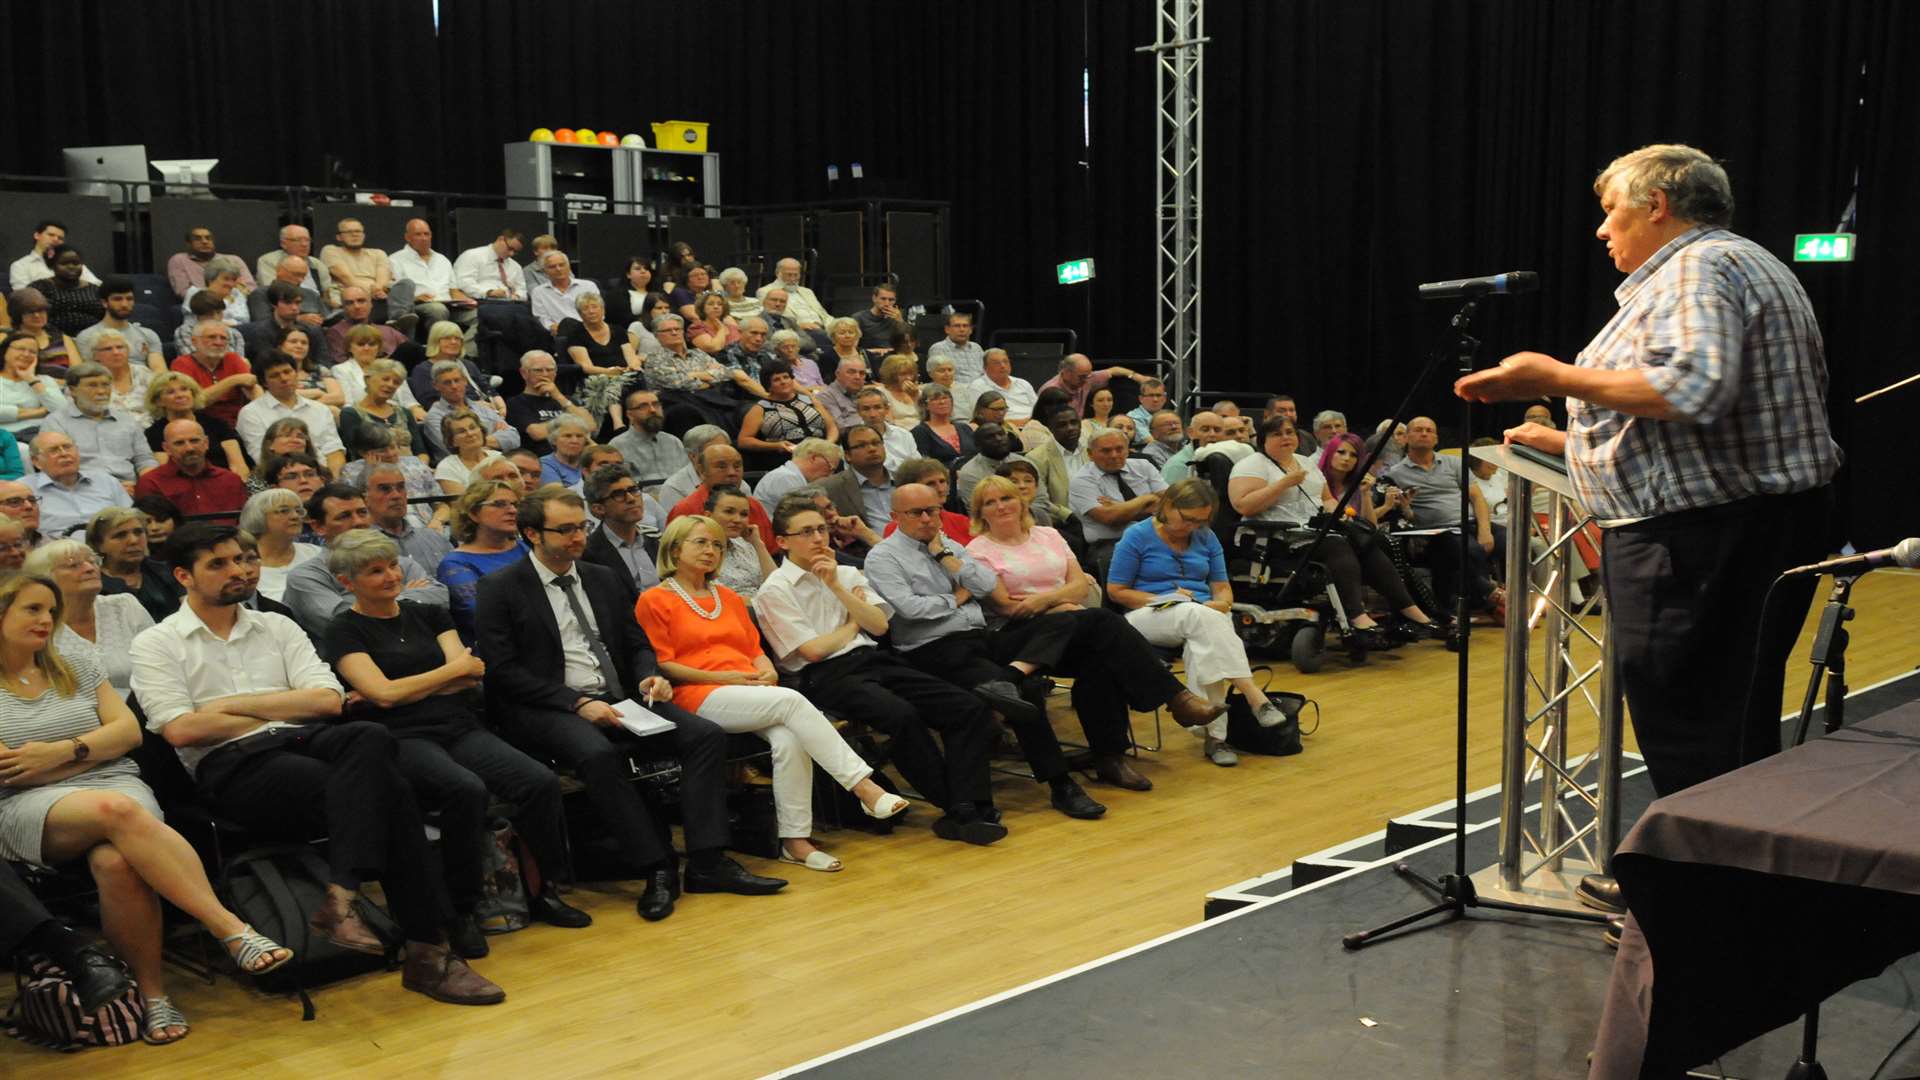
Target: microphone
<point>1516,281</point>
<point>1905,553</point>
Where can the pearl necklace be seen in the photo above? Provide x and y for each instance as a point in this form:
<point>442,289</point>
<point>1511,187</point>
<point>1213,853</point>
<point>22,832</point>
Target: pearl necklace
<point>673,585</point>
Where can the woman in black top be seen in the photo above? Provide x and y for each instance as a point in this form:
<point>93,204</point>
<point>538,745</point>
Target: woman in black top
<point>778,422</point>
<point>172,396</point>
<point>408,665</point>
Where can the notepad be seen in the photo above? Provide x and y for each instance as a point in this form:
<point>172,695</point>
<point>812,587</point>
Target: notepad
<point>641,720</point>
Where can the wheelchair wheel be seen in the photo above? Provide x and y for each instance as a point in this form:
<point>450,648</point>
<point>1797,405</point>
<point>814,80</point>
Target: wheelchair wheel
<point>1306,648</point>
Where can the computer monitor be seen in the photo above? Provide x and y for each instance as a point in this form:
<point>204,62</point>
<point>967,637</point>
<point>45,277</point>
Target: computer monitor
<point>187,177</point>
<point>88,166</point>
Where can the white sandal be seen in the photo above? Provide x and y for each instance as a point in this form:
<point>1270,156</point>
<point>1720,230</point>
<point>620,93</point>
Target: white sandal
<point>815,860</point>
<point>162,1015</point>
<point>886,806</point>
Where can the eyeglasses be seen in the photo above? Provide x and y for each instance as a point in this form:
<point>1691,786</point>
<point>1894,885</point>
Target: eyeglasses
<point>920,511</point>
<point>811,530</point>
<point>299,474</point>
<point>20,500</point>
<point>501,504</point>
<point>623,493</point>
<point>565,530</point>
<point>703,542</point>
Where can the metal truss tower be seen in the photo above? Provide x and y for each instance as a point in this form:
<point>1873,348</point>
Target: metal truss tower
<point>1177,195</point>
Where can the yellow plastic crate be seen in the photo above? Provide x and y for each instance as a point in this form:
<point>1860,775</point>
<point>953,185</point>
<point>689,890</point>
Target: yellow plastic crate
<point>687,135</point>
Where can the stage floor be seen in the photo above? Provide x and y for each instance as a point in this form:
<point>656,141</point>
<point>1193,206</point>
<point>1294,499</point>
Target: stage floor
<point>1268,990</point>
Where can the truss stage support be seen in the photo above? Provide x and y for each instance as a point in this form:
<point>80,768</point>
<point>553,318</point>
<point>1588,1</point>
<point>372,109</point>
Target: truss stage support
<point>1177,195</point>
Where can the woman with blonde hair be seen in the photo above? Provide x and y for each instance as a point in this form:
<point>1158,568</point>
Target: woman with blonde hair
<point>900,379</point>
<point>364,345</point>
<point>486,533</point>
<point>380,404</point>
<point>99,628</point>
<point>68,791</point>
<point>112,351</point>
<point>709,649</point>
<point>173,396</point>
<point>845,334</point>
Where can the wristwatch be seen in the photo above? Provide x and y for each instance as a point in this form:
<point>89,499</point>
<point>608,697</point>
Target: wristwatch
<point>80,749</point>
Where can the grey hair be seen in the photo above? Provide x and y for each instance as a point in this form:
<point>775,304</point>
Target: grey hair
<point>86,369</point>
<point>700,436</point>
<point>107,337</point>
<point>551,252</point>
<point>568,421</point>
<point>937,362</point>
<point>253,516</point>
<point>781,337</point>
<point>869,391</point>
<point>834,326</point>
<point>1328,416</point>
<point>669,317</point>
<point>989,354</point>
<point>817,448</point>
<point>1697,188</point>
<point>748,322</point>
<point>1104,433</point>
<point>441,367</point>
<point>41,560</point>
<point>531,355</point>
<point>225,264</point>
<point>387,366</point>
<point>733,273</point>
<point>366,478</point>
<point>356,549</point>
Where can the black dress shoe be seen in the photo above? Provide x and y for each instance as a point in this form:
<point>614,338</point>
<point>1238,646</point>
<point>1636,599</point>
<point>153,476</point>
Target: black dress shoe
<point>656,901</point>
<point>1072,800</point>
<point>977,831</point>
<point>1615,927</point>
<point>725,875</point>
<point>990,813</point>
<point>550,909</point>
<point>97,978</point>
<point>465,939</point>
<point>1004,698</point>
<point>1601,893</point>
<point>1035,690</point>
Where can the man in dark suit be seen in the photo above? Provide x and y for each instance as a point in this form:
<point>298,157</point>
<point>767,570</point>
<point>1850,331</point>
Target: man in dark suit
<point>561,645</point>
<point>623,543</point>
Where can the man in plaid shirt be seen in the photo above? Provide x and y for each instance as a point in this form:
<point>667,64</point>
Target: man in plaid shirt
<point>1697,434</point>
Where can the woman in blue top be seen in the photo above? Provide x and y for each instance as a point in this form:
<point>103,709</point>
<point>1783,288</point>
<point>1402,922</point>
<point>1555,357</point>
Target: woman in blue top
<point>1170,574</point>
<point>486,519</point>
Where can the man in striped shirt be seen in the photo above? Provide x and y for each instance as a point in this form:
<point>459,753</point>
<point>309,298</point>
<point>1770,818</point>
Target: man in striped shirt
<point>1697,434</point>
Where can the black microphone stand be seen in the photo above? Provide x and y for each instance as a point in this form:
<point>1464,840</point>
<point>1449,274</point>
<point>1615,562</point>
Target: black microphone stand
<point>1454,893</point>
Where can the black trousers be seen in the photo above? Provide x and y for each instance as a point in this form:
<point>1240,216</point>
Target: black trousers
<point>972,657</point>
<point>1348,564</point>
<point>1443,559</point>
<point>342,781</point>
<point>454,777</point>
<point>910,706</point>
<point>1684,595</point>
<point>21,912</point>
<point>598,757</point>
<point>1113,669</point>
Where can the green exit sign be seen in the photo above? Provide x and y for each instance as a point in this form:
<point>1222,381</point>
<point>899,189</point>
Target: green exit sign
<point>1075,272</point>
<point>1824,247</point>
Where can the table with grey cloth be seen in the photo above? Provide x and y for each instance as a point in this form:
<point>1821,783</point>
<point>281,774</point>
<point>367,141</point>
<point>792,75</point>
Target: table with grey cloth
<point>1761,892</point>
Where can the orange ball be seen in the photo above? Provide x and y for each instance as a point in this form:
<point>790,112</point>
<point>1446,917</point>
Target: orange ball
<point>563,135</point>
<point>608,138</point>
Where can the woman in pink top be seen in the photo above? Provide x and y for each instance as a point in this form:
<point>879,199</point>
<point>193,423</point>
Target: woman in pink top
<point>1033,561</point>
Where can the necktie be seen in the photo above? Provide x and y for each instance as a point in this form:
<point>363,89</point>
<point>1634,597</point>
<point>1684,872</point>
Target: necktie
<point>607,671</point>
<point>1126,489</point>
<point>500,264</point>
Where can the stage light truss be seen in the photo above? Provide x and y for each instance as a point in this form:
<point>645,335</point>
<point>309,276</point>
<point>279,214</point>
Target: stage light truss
<point>1179,98</point>
<point>1569,674</point>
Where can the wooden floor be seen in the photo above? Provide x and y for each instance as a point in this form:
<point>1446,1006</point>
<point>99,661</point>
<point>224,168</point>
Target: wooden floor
<point>736,987</point>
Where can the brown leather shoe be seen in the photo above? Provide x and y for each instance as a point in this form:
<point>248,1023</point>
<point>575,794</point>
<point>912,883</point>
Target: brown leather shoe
<point>346,929</point>
<point>1190,710</point>
<point>1115,769</point>
<point>435,971</point>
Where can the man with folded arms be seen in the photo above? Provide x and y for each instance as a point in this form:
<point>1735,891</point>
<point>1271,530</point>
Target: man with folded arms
<point>821,620</point>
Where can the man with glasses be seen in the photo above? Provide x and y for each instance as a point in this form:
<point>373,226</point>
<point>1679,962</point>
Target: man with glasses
<point>650,451</point>
<point>561,646</point>
<point>969,360</point>
<point>531,410</point>
<point>314,594</point>
<point>107,438</point>
<point>624,543</point>
<point>355,265</point>
<point>188,480</point>
<point>69,494</point>
<point>1153,400</point>
<point>821,621</point>
<point>19,503</point>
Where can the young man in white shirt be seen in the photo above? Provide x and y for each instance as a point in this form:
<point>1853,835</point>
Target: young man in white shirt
<point>281,378</point>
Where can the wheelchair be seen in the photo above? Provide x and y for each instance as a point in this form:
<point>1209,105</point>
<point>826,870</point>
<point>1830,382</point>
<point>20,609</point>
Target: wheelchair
<point>1275,611</point>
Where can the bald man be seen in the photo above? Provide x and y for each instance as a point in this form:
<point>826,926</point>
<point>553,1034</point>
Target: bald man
<point>187,479</point>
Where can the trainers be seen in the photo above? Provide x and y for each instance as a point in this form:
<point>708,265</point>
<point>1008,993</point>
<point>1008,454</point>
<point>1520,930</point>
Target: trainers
<point>1220,753</point>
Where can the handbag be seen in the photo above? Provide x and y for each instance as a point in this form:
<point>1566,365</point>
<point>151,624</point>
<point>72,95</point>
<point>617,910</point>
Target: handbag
<point>47,1013</point>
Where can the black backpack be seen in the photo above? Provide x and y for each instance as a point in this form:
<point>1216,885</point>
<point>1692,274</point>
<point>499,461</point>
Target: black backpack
<point>276,890</point>
<point>1245,733</point>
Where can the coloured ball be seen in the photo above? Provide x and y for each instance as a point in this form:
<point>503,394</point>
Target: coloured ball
<point>540,135</point>
<point>585,135</point>
<point>632,140</point>
<point>563,135</point>
<point>608,138</point>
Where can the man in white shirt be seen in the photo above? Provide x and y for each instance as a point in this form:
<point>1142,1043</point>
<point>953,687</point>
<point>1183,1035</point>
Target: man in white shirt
<point>254,714</point>
<point>821,621</point>
<point>872,405</point>
<point>998,375</point>
<point>969,360</point>
<point>554,299</point>
<point>32,266</point>
<point>813,461</point>
<point>436,296</point>
<point>809,315</point>
<point>69,495</point>
<point>281,377</point>
<point>491,271</point>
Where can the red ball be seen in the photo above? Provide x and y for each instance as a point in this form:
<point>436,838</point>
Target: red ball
<point>608,138</point>
<point>563,135</point>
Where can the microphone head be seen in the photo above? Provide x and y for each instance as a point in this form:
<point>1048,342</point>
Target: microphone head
<point>1907,552</point>
<point>1519,281</point>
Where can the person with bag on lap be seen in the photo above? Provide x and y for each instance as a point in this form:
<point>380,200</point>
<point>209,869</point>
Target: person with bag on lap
<point>415,675</point>
<point>253,713</point>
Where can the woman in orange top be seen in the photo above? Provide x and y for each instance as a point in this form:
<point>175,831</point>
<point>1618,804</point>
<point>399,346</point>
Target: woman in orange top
<point>709,648</point>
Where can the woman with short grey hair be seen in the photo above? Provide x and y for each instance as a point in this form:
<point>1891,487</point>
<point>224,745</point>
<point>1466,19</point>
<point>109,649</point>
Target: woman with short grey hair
<point>100,628</point>
<point>741,304</point>
<point>276,519</point>
<point>787,345</point>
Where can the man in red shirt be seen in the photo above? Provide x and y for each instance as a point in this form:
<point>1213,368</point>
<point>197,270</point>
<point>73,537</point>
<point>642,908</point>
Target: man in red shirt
<point>225,376</point>
<point>720,463</point>
<point>188,480</point>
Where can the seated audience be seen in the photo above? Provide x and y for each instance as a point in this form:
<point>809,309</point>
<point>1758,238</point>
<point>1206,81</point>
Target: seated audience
<point>282,437</point>
<point>1026,480</point>
<point>1161,568</point>
<point>27,398</point>
<point>357,309</point>
<point>813,461</point>
<point>897,441</point>
<point>1099,413</point>
<point>996,447</point>
<point>1079,380</point>
<point>436,298</point>
<point>1112,491</point>
<point>73,303</point>
<point>409,665</point>
<point>381,407</point>
<point>486,538</point>
<point>188,480</point>
<point>357,266</point>
<point>489,272</point>
<point>940,371</point>
<point>784,418</point>
<point>679,484</point>
<point>69,494</point>
<point>297,242</point>
<point>959,349</point>
<point>34,265</point>
<point>933,475</point>
<point>695,282</point>
<point>18,501</point>
<point>721,466</point>
<point>1166,435</point>
<point>640,330</point>
<point>938,435</point>
<point>14,542</point>
<point>280,377</point>
<point>533,409</point>
<point>72,793</point>
<point>746,562</point>
<point>900,380</point>
<point>314,594</point>
<point>1153,401</point>
<point>787,346</point>
<point>602,353</point>
<point>864,489</point>
<point>308,349</point>
<point>418,527</point>
<point>94,627</point>
<point>527,468</point>
<point>651,452</point>
<point>569,435</point>
<point>1203,430</point>
<point>451,382</point>
<point>849,377</point>
<point>877,321</point>
<point>119,536</point>
<point>53,349</point>
<point>463,432</point>
<point>276,518</point>
<point>296,471</point>
<point>225,378</point>
<point>117,302</point>
<point>223,283</point>
<point>106,438</point>
<point>299,301</point>
<point>560,650</point>
<point>809,315</point>
<point>1432,483</point>
<point>173,396</point>
<point>216,672</point>
<point>709,649</point>
<point>624,305</point>
<point>998,377</point>
<point>821,620</point>
<point>188,269</point>
<point>127,381</point>
<point>711,330</point>
<point>733,286</point>
<point>557,298</point>
<point>206,306</point>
